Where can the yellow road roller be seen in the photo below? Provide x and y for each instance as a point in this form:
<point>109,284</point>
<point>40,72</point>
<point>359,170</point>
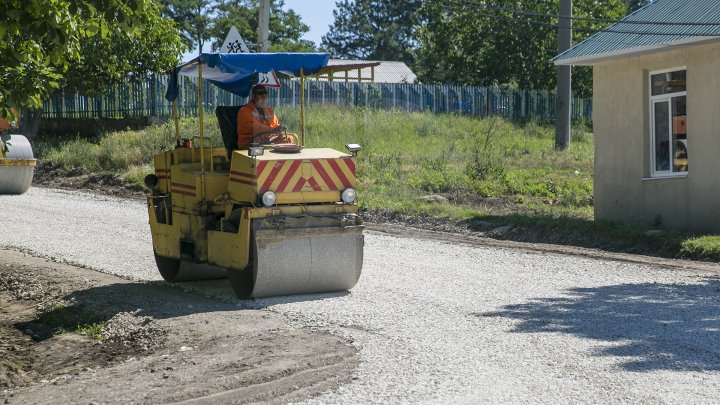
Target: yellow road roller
<point>274,219</point>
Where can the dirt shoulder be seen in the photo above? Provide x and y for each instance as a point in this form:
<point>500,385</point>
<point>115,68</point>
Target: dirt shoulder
<point>158,343</point>
<point>49,174</point>
<point>478,239</point>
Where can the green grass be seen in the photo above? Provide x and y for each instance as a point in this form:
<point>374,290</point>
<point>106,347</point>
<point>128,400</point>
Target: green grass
<point>128,153</point>
<point>409,155</point>
<point>490,169</point>
<point>702,246</point>
<point>64,319</point>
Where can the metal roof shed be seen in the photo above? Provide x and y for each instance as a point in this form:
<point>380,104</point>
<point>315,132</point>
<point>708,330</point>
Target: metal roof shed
<point>656,115</point>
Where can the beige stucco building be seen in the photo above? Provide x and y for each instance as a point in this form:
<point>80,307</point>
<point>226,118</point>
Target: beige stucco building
<point>656,119</point>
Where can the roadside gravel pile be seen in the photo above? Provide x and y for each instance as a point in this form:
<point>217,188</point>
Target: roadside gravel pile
<point>22,285</point>
<point>130,331</point>
<point>124,330</point>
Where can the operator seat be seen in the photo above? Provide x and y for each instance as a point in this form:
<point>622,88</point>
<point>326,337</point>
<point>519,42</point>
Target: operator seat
<point>227,121</point>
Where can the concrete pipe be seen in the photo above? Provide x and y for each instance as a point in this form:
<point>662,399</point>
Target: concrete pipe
<point>18,166</point>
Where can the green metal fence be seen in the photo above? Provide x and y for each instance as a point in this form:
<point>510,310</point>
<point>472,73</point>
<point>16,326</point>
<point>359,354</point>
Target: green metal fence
<point>147,99</point>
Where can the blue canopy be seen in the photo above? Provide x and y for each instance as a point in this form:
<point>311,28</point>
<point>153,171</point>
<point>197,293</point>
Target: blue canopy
<point>237,72</point>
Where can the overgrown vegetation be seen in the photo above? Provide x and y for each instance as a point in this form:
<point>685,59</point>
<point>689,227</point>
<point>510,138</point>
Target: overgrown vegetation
<point>489,170</point>
<point>702,246</point>
<point>129,153</point>
<point>410,155</point>
<point>64,319</point>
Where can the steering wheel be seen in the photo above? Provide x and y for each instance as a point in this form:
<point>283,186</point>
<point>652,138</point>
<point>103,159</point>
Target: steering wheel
<point>278,131</point>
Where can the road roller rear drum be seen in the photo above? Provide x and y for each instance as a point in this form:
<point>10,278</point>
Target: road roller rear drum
<point>17,164</point>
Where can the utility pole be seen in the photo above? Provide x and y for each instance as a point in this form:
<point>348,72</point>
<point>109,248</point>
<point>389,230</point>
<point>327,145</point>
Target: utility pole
<point>264,26</point>
<point>563,100</point>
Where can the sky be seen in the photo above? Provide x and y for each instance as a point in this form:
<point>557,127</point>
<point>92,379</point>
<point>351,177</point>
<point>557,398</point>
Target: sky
<point>317,14</point>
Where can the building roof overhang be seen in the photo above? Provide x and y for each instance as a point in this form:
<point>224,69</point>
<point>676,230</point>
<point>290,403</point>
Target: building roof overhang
<point>589,60</point>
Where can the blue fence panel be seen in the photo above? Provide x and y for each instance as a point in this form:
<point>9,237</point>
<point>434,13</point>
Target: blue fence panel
<point>147,99</point>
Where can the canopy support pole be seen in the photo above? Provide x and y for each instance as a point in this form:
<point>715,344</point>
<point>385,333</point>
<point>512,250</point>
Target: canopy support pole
<point>201,114</point>
<point>177,124</point>
<point>302,105</point>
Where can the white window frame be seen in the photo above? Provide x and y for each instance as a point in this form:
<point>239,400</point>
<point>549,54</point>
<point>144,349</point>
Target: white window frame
<point>666,98</point>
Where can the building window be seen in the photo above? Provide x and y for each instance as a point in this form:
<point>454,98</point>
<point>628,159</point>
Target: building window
<point>668,100</point>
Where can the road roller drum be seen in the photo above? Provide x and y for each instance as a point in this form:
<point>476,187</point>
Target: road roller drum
<point>17,164</point>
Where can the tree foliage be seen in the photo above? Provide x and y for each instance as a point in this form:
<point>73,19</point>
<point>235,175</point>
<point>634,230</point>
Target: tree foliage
<point>194,19</point>
<point>478,44</point>
<point>286,27</point>
<point>157,47</point>
<point>379,30</point>
<point>40,39</point>
<point>633,5</point>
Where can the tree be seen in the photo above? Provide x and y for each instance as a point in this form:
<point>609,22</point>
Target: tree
<point>194,19</point>
<point>104,61</point>
<point>107,60</point>
<point>39,39</point>
<point>491,43</point>
<point>286,27</point>
<point>633,5</point>
<point>376,30</point>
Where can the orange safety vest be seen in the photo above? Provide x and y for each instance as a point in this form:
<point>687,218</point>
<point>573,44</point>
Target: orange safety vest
<point>252,120</point>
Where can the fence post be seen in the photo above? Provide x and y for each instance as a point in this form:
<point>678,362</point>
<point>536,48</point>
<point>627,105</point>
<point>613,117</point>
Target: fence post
<point>366,94</point>
<point>407,97</point>
<point>396,87</point>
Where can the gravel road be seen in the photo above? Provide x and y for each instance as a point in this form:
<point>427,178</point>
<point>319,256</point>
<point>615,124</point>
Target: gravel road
<point>441,322</point>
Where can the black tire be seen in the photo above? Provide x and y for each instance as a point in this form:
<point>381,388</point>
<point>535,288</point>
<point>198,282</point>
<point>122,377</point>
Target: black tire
<point>243,281</point>
<point>168,267</point>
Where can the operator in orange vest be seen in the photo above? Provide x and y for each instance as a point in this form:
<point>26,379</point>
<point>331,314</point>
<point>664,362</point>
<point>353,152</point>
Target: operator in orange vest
<point>256,120</point>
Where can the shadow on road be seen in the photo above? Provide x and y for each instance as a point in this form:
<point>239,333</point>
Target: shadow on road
<point>155,299</point>
<point>161,300</point>
<point>654,326</point>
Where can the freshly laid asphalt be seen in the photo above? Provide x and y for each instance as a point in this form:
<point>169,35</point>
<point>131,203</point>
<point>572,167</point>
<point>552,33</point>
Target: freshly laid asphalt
<point>441,322</point>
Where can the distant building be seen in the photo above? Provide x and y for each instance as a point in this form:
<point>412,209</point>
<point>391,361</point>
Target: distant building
<point>656,92</point>
<point>370,71</point>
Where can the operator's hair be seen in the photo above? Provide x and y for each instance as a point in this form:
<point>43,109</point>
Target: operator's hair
<point>259,89</point>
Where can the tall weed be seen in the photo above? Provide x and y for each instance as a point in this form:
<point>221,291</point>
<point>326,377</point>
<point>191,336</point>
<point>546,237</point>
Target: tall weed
<point>76,153</point>
<point>484,163</point>
<point>404,156</point>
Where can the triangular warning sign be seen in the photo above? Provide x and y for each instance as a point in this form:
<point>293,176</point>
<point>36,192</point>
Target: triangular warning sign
<point>234,43</point>
<point>268,79</point>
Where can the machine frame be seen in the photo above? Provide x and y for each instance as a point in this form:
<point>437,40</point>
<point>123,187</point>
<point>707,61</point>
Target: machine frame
<point>211,214</point>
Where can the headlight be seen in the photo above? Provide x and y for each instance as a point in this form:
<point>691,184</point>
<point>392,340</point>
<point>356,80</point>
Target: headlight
<point>255,149</point>
<point>151,181</point>
<point>348,195</point>
<point>268,198</point>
